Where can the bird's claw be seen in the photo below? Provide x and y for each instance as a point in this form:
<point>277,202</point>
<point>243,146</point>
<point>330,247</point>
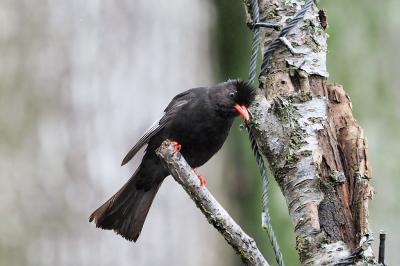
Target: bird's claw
<point>202,180</point>
<point>177,146</point>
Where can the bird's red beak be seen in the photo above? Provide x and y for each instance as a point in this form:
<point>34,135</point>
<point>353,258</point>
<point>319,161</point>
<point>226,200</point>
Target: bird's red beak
<point>242,110</point>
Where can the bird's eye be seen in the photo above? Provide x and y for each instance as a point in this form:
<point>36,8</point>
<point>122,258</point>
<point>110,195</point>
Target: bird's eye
<point>232,94</point>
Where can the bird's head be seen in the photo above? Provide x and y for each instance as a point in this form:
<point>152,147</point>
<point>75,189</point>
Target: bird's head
<point>232,98</point>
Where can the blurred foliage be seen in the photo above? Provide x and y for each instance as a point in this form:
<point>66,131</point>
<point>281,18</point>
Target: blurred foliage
<point>363,58</point>
<point>233,39</point>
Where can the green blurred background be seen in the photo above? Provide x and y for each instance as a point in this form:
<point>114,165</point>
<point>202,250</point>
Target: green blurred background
<point>81,80</point>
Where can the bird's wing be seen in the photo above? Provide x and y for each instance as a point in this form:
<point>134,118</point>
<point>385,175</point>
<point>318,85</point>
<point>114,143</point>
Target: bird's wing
<point>173,107</point>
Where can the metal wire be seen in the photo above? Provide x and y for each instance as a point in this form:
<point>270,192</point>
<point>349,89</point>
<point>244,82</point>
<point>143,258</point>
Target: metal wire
<point>256,42</point>
<point>276,42</point>
<point>381,256</point>
<point>265,218</point>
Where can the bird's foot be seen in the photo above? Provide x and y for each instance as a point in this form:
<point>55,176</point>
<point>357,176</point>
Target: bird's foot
<point>202,180</point>
<point>177,146</point>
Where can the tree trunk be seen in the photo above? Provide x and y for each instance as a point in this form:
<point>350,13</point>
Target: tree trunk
<point>316,150</point>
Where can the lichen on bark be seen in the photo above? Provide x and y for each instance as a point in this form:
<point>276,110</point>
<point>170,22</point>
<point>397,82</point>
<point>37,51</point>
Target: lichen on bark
<point>316,150</point>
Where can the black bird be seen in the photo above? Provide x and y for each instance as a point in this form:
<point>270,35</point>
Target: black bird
<point>198,120</point>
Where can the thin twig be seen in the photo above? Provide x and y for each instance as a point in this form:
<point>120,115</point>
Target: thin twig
<point>244,245</point>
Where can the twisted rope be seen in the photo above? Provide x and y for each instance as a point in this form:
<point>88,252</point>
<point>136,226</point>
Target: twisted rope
<point>277,41</point>
<point>256,42</point>
<point>265,216</point>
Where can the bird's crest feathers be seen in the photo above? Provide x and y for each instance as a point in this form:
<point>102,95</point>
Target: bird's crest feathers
<point>245,92</point>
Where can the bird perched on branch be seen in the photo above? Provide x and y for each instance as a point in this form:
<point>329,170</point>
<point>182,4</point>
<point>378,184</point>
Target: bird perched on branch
<point>198,120</point>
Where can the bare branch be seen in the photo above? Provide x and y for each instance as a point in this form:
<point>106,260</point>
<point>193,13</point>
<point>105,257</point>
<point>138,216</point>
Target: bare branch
<point>216,215</point>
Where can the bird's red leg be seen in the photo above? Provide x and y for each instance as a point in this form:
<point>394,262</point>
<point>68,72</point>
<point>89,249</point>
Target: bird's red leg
<point>177,146</point>
<point>202,180</point>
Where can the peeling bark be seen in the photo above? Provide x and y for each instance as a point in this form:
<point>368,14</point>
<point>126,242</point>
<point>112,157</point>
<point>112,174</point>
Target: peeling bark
<point>316,149</point>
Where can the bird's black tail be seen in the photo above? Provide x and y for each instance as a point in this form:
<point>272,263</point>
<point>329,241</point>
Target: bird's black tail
<point>126,211</point>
